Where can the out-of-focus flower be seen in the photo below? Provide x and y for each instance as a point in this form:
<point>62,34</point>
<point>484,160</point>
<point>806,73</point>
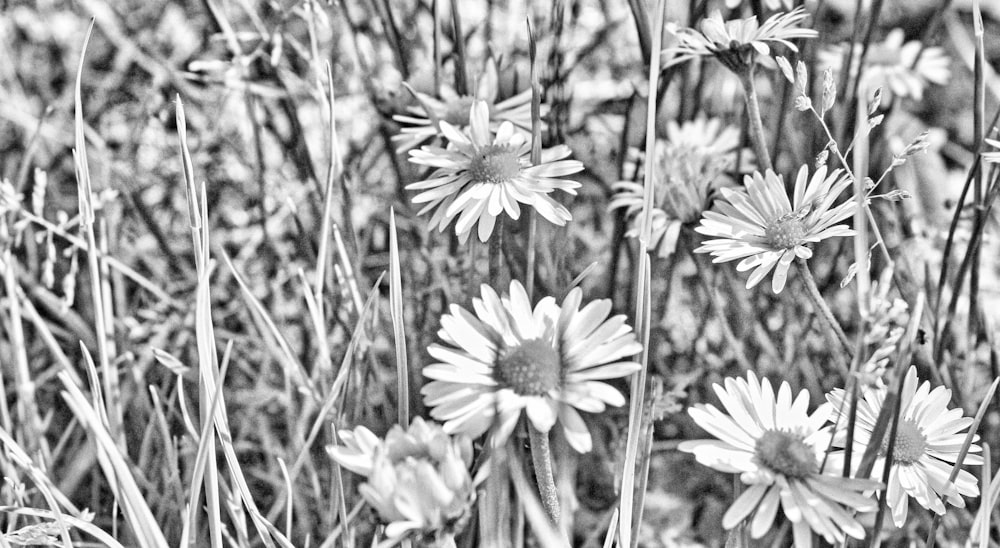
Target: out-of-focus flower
<point>758,224</point>
<point>993,156</point>
<point>769,4</point>
<point>897,68</point>
<point>887,319</point>
<point>735,43</point>
<point>417,479</point>
<point>10,199</point>
<point>689,165</point>
<point>549,361</point>
<point>481,175</point>
<point>420,124</point>
<point>777,447</point>
<point>928,439</point>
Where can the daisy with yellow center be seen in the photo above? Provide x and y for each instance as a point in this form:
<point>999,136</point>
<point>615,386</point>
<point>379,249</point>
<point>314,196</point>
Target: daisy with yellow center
<point>777,447</point>
<point>901,69</point>
<point>417,480</point>
<point>420,122</point>
<point>759,225</point>
<point>482,175</point>
<point>690,164</point>
<point>548,361</point>
<point>929,437</point>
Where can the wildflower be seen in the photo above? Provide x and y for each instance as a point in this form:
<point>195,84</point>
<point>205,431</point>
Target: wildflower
<point>759,225</point>
<point>417,479</point>
<point>735,43</point>
<point>10,198</point>
<point>777,448</point>
<point>548,361</point>
<point>928,439</point>
<point>897,68</point>
<point>481,175</point>
<point>689,164</point>
<point>887,319</point>
<point>421,120</point>
<point>769,4</point>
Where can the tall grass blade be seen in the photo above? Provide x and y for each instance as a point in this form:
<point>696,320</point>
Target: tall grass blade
<point>398,324</point>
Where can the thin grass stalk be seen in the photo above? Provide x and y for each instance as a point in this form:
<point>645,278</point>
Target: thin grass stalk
<point>966,444</point>
<point>333,172</point>
<point>436,39</point>
<point>392,35</point>
<point>398,324</point>
<point>643,298</point>
<point>32,431</point>
<point>116,469</point>
<point>644,30</point>
<point>461,67</point>
<point>205,343</point>
<point>979,113</point>
<point>109,369</point>
<point>860,172</point>
<point>985,501</point>
<point>17,454</point>
<point>536,157</point>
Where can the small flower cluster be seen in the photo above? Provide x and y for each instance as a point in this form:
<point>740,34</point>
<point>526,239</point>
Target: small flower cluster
<point>780,449</point>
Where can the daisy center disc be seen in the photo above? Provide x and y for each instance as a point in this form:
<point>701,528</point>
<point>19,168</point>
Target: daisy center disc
<point>784,233</point>
<point>786,453</point>
<point>910,443</point>
<point>531,368</point>
<point>494,164</point>
<point>456,113</point>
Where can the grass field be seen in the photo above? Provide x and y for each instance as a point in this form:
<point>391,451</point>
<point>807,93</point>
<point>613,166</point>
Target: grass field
<point>318,273</point>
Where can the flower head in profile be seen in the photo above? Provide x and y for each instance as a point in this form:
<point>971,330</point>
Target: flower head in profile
<point>736,43</point>
<point>777,447</point>
<point>759,225</point>
<point>901,69</point>
<point>690,164</point>
<point>420,124</point>
<point>548,361</point>
<point>769,4</point>
<point>481,175</point>
<point>417,479</point>
<point>928,439</point>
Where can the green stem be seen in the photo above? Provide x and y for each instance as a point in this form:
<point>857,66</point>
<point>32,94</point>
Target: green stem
<point>496,254</point>
<point>756,126</point>
<point>836,333</point>
<point>541,461</point>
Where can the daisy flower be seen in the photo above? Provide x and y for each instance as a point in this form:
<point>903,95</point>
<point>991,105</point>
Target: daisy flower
<point>898,68</point>
<point>928,439</point>
<point>420,121</point>
<point>736,42</point>
<point>417,480</point>
<point>689,164</point>
<point>769,4</point>
<point>758,224</point>
<point>777,447</point>
<point>548,362</point>
<point>481,175</point>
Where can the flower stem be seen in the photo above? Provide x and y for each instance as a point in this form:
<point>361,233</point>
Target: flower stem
<point>836,333</point>
<point>496,254</point>
<point>757,139</point>
<point>541,461</point>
